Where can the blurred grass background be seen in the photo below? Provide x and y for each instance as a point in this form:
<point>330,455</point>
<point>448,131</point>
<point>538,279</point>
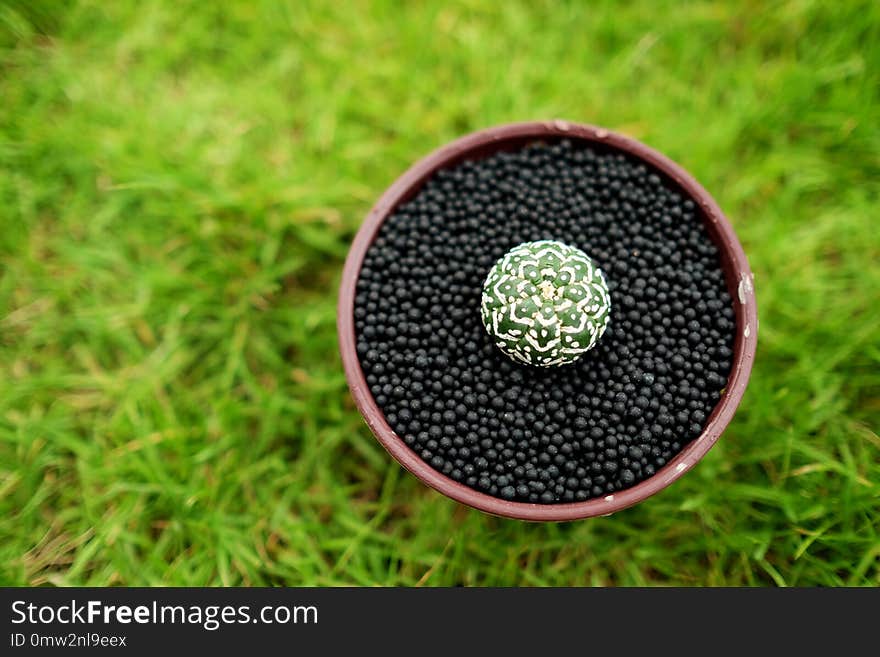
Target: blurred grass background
<point>179,183</point>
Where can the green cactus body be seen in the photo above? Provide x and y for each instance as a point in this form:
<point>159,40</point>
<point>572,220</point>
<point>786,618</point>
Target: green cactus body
<point>545,303</point>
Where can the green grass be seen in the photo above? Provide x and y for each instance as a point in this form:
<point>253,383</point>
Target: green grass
<point>179,184</point>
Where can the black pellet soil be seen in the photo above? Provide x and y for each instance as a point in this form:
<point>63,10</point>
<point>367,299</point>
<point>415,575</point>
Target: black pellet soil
<point>560,434</point>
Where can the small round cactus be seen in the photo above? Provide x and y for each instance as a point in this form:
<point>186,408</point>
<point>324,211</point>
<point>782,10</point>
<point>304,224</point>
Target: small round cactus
<point>545,303</point>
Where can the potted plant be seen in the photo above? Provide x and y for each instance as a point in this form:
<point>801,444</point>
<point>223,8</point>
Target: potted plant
<point>547,321</point>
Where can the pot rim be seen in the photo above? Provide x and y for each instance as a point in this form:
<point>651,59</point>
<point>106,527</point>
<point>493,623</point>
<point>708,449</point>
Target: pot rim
<point>738,275</point>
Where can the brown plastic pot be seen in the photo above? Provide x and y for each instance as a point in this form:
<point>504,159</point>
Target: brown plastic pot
<point>510,137</point>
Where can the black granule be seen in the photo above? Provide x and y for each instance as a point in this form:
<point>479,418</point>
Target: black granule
<point>560,434</point>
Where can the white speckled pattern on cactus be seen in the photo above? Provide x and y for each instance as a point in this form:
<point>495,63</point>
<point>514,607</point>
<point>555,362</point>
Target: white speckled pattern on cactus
<point>545,303</point>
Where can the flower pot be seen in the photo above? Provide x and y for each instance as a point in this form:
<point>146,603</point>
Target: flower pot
<point>738,277</point>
